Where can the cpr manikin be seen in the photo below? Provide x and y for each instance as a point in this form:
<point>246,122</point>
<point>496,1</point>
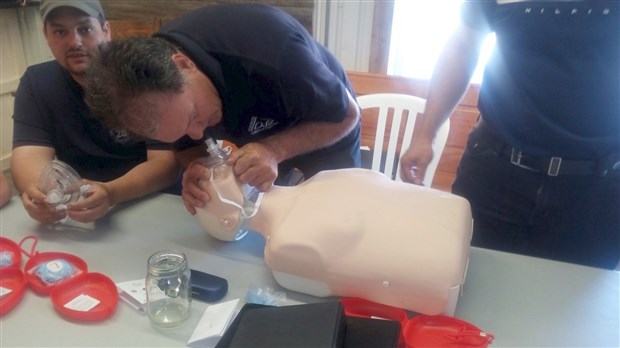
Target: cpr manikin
<point>353,233</point>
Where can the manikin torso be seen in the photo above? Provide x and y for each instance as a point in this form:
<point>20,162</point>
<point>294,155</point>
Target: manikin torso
<point>355,233</point>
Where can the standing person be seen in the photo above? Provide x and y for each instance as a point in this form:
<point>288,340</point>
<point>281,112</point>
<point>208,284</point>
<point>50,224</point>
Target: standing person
<point>52,120</point>
<point>263,83</point>
<point>542,167</point>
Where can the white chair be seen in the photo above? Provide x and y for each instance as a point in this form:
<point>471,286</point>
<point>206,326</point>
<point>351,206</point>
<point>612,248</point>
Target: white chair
<point>403,106</point>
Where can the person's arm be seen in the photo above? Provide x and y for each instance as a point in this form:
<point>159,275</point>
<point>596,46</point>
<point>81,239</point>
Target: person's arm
<point>27,163</point>
<point>449,82</point>
<point>256,163</point>
<point>159,171</point>
<point>5,190</point>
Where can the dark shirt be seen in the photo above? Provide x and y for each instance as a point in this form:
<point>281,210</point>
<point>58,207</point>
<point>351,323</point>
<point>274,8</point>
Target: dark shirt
<point>552,85</point>
<point>269,72</point>
<point>50,111</point>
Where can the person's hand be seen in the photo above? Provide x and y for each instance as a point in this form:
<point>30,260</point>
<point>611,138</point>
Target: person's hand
<point>34,202</point>
<point>255,164</point>
<point>415,160</point>
<point>94,204</point>
<point>193,195</point>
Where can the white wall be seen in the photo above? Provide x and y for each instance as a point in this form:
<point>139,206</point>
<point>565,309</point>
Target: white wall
<point>12,65</point>
<point>21,44</point>
<point>345,28</point>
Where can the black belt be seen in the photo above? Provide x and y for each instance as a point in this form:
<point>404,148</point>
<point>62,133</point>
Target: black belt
<point>552,166</point>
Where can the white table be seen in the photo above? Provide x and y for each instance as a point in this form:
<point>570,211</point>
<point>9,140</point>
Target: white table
<point>523,301</point>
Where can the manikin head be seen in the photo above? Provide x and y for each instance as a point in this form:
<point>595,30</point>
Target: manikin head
<point>226,215</point>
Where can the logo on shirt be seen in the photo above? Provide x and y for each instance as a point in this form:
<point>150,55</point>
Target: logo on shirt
<point>548,7</point>
<point>120,136</point>
<point>261,124</point>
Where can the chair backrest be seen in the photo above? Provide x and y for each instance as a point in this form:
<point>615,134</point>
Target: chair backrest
<point>407,107</point>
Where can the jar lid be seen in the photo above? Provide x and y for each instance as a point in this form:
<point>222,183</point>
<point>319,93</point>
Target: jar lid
<point>88,297</point>
<point>12,281</point>
<point>61,260</point>
<point>10,252</point>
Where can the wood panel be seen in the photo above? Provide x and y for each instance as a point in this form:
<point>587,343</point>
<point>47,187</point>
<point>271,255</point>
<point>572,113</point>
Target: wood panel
<point>122,28</point>
<point>462,119</point>
<point>147,11</point>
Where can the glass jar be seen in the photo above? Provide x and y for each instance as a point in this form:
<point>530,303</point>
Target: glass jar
<point>168,288</point>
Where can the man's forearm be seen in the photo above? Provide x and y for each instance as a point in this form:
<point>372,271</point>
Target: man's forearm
<point>450,79</point>
<point>27,163</point>
<point>150,176</point>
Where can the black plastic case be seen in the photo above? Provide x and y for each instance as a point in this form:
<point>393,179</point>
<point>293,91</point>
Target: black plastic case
<point>207,287</point>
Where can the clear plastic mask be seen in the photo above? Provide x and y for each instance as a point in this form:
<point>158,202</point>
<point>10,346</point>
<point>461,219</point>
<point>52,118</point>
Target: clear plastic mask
<point>61,183</point>
<point>250,198</point>
<point>244,198</point>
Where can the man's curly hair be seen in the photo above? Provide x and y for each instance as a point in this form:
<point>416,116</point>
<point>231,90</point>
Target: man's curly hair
<point>123,80</point>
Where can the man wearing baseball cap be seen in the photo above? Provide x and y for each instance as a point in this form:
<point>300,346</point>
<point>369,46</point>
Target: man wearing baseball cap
<point>90,8</point>
<point>52,120</point>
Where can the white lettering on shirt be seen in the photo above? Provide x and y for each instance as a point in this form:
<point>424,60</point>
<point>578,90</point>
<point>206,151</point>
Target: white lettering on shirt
<point>260,124</point>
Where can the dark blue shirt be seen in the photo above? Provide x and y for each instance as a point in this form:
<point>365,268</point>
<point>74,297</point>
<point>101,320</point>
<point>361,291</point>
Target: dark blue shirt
<point>269,72</point>
<point>552,84</point>
<point>50,111</point>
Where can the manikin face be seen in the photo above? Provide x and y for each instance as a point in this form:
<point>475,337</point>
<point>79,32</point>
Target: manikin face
<point>219,217</point>
<point>74,38</point>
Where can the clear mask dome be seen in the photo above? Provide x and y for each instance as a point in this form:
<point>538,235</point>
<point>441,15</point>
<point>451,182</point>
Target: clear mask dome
<point>61,183</point>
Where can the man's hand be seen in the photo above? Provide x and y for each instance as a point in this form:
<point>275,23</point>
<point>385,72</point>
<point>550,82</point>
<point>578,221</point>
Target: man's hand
<point>36,206</point>
<point>415,161</point>
<point>96,203</point>
<point>193,195</point>
<point>255,164</point>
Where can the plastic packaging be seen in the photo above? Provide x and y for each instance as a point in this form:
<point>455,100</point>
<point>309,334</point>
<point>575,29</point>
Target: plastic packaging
<point>53,271</point>
<point>10,254</point>
<point>38,261</point>
<point>265,296</point>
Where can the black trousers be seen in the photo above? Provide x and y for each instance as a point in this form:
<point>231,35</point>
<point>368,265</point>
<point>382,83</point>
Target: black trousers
<point>571,218</point>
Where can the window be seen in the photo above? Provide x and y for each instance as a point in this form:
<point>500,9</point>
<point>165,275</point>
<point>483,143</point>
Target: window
<point>419,31</point>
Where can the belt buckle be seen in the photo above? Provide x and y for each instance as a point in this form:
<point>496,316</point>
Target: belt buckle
<point>515,158</point>
<point>554,166</point>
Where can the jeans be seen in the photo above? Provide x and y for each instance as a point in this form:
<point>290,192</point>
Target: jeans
<point>566,218</point>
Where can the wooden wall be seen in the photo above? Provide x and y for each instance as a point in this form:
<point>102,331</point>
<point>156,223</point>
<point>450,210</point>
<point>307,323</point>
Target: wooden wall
<point>149,11</point>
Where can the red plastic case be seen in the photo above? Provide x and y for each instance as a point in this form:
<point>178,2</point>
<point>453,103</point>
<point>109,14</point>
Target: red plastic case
<point>422,331</point>
<point>95,285</point>
<point>444,331</point>
<point>7,245</point>
<point>11,278</point>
